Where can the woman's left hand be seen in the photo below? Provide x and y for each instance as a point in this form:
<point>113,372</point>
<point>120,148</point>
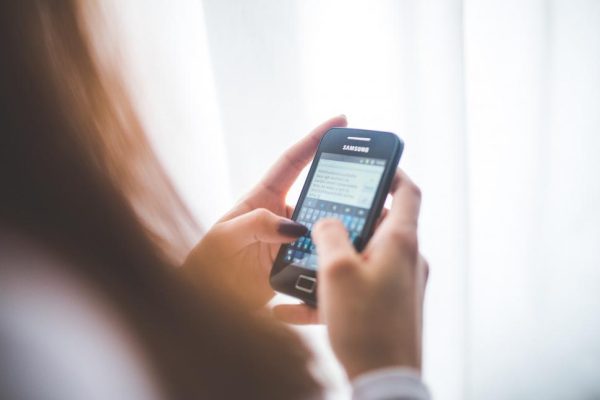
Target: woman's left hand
<point>240,248</point>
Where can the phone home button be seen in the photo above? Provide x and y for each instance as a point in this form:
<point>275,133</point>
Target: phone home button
<point>306,283</point>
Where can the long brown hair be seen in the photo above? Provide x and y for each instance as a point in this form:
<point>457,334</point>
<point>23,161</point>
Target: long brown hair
<point>78,176</point>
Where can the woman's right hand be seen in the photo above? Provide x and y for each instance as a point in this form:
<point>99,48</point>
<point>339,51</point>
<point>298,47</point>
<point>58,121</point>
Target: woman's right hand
<point>372,301</point>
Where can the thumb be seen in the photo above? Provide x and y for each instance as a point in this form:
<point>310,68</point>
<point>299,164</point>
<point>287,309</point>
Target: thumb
<point>338,260</point>
<point>261,225</point>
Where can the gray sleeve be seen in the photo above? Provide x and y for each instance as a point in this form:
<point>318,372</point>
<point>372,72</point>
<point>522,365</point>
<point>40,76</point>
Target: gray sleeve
<point>390,384</point>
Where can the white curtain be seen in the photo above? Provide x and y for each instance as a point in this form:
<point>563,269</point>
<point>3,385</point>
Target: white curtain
<point>498,102</point>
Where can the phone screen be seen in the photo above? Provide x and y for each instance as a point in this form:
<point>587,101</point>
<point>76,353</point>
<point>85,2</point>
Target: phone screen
<point>342,187</point>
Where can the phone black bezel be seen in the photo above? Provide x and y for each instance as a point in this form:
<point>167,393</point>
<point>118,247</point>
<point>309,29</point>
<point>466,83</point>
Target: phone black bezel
<point>383,145</point>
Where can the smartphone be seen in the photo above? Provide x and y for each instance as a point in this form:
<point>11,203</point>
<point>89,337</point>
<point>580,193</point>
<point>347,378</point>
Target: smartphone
<point>349,179</point>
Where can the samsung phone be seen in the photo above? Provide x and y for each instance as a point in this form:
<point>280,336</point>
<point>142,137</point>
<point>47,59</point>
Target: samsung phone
<point>349,179</point>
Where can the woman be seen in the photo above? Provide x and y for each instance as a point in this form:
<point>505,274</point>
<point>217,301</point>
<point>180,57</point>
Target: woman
<point>90,229</point>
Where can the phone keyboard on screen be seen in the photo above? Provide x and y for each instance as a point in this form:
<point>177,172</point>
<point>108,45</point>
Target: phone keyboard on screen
<point>302,252</point>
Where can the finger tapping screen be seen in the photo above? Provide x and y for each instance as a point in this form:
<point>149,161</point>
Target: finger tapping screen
<point>342,187</point>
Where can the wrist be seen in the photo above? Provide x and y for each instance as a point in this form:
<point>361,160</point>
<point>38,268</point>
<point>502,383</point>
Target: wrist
<point>371,362</point>
<point>385,350</point>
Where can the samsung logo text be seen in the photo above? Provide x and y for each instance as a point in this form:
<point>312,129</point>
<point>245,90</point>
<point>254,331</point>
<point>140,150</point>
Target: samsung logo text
<point>360,149</point>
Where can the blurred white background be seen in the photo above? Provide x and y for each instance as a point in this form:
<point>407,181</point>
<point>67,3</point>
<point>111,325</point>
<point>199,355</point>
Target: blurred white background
<point>498,102</point>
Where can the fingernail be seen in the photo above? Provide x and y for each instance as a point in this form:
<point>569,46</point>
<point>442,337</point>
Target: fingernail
<point>291,228</point>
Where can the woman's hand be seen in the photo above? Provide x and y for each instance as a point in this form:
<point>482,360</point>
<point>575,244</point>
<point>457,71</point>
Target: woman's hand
<point>240,248</point>
<point>372,302</point>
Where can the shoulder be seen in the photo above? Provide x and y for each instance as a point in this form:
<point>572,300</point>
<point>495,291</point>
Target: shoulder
<point>59,339</point>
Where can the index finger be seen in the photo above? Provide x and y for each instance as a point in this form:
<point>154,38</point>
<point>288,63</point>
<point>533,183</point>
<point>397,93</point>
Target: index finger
<point>287,168</point>
<point>406,204</point>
